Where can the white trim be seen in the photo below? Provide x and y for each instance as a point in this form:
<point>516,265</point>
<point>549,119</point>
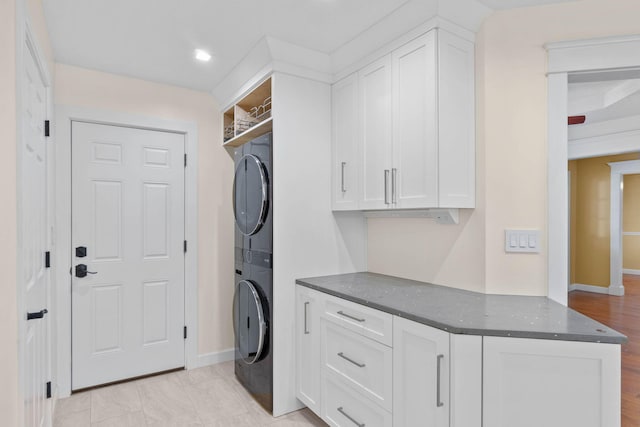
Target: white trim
<point>589,288</point>
<point>594,54</point>
<point>618,170</point>
<point>214,358</point>
<point>631,271</point>
<point>62,258</point>
<point>631,233</point>
<point>564,57</point>
<point>603,145</point>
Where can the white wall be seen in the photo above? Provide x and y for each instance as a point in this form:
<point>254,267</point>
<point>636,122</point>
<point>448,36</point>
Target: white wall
<point>511,135</point>
<point>81,87</point>
<point>9,399</point>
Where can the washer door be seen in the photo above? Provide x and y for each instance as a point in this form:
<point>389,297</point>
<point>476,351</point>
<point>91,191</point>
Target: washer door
<point>249,323</point>
<point>250,195</point>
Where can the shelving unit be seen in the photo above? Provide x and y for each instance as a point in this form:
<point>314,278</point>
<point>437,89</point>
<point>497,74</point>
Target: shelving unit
<point>248,118</point>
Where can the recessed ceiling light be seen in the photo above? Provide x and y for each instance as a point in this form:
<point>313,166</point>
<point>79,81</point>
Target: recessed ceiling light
<point>202,55</point>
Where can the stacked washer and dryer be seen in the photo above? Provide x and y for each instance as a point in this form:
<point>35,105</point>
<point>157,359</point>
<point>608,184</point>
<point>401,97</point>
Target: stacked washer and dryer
<point>253,297</point>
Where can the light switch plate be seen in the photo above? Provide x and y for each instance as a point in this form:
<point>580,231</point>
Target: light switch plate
<point>522,241</point>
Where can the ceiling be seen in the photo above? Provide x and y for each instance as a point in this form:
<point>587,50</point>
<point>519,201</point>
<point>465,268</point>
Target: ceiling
<point>155,39</point>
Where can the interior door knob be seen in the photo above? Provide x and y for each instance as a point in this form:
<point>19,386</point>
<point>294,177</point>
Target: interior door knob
<point>81,270</point>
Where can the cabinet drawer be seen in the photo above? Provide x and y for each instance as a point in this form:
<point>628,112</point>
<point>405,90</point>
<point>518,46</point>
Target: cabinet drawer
<point>369,322</point>
<point>344,407</point>
<point>362,363</point>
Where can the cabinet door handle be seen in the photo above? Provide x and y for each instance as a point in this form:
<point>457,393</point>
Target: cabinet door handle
<point>342,313</point>
<point>386,186</point>
<point>306,330</point>
<point>439,402</point>
<point>393,185</point>
<point>342,186</point>
<point>348,359</point>
<point>350,418</point>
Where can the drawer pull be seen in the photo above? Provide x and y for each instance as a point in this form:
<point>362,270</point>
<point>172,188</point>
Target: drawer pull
<point>342,313</point>
<point>306,329</point>
<point>439,402</point>
<point>350,418</point>
<point>359,365</point>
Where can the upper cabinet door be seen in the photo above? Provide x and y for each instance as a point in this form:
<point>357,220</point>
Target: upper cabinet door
<point>414,176</point>
<point>346,161</point>
<point>376,137</point>
<point>456,107</point>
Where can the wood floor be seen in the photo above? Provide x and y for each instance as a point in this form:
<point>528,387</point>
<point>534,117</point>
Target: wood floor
<point>623,315</point>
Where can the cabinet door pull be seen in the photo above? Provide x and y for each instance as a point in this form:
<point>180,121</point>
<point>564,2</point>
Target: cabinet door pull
<point>342,186</point>
<point>348,359</point>
<point>439,402</point>
<point>393,185</point>
<point>386,186</point>
<point>306,330</point>
<point>350,418</point>
<point>342,313</point>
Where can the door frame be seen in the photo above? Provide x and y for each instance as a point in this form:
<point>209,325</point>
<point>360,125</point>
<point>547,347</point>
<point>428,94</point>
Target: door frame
<point>62,258</point>
<point>26,40</point>
<point>564,58</point>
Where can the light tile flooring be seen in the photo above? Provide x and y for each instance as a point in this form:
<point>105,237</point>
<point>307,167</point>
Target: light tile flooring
<point>207,397</point>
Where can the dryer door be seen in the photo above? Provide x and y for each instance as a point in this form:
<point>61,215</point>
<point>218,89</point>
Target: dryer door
<point>250,195</point>
<point>249,322</point>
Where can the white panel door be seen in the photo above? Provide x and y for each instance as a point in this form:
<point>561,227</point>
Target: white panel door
<point>128,212</point>
<point>415,139</point>
<point>33,241</point>
<point>375,137</point>
<point>344,123</point>
<point>533,382</point>
<point>420,375</point>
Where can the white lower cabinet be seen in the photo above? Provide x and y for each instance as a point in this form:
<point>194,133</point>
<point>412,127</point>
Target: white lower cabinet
<point>344,407</point>
<point>309,303</point>
<point>532,383</point>
<point>420,375</point>
<point>371,369</point>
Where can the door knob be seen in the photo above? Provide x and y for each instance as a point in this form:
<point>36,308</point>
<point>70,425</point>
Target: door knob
<point>81,270</point>
<point>37,314</point>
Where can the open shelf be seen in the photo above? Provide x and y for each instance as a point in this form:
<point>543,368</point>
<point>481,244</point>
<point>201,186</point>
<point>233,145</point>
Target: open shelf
<point>263,127</point>
<point>248,118</point>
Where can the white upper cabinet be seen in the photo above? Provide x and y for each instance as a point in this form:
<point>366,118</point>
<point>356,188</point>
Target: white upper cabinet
<point>416,128</point>
<point>344,98</point>
<point>375,137</point>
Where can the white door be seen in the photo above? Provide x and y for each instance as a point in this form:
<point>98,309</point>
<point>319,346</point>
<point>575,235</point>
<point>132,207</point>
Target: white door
<point>33,241</point>
<point>128,212</point>
<point>375,138</point>
<point>414,174</point>
<point>308,308</point>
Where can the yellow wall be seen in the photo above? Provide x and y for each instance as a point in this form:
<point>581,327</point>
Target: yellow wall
<point>511,135</point>
<point>631,222</point>
<point>573,201</point>
<point>591,250</point>
<point>82,87</point>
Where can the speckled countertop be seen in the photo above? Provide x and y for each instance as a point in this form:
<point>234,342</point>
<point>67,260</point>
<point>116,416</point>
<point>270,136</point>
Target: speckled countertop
<point>464,312</point>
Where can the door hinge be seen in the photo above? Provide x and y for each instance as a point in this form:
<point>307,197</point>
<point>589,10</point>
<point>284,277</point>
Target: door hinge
<point>47,259</point>
<point>185,160</point>
<point>49,390</point>
<point>185,332</point>
<point>185,246</point>
<point>46,128</point>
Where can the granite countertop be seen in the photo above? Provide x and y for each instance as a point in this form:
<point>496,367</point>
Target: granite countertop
<point>464,312</point>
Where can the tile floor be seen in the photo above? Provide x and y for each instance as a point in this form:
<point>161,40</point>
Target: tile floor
<point>207,397</point>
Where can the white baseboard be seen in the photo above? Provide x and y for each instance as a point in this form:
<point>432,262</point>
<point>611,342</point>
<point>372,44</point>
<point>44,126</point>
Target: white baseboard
<point>631,271</point>
<point>610,290</point>
<point>208,359</point>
